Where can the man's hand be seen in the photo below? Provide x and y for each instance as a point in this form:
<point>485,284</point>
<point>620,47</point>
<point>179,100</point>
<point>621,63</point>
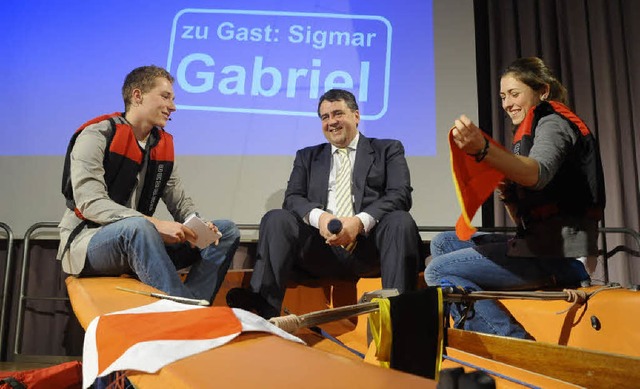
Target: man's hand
<point>173,232</point>
<point>351,227</point>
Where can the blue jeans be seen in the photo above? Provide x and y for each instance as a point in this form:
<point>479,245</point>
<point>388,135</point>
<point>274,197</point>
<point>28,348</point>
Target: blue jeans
<point>482,264</point>
<point>133,245</point>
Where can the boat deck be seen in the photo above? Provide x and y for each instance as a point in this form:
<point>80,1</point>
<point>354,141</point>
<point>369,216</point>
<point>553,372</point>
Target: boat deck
<point>603,346</point>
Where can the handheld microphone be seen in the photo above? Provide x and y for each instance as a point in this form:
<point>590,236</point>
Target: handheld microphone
<point>334,226</point>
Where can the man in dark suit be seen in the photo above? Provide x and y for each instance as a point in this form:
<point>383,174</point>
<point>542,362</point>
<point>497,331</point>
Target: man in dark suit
<point>378,235</point>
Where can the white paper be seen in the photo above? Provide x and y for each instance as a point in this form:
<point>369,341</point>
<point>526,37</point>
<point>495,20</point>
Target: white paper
<point>206,236</point>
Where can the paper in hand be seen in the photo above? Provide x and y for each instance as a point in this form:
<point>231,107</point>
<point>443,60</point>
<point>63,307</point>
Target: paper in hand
<point>206,236</point>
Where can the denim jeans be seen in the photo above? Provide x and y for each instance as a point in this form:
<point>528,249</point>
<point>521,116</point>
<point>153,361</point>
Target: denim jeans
<point>482,264</point>
<point>133,245</point>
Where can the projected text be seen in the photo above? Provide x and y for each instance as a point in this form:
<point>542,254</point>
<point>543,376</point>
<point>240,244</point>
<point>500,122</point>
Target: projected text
<point>278,62</point>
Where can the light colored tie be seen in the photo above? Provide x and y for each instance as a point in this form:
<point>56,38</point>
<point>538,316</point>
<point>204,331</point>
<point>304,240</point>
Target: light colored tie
<point>344,204</point>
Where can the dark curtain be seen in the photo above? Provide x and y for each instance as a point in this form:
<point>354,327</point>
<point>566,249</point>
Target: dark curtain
<point>593,48</point>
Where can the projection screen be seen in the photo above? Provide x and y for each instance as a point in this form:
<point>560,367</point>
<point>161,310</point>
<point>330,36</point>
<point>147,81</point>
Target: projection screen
<point>248,77</point>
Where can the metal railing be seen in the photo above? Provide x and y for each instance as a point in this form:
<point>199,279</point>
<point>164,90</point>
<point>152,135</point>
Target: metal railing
<point>23,298</point>
<point>606,254</point>
<point>4,316</point>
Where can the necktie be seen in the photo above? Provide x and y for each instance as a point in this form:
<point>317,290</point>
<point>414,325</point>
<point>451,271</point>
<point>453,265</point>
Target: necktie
<point>344,204</point>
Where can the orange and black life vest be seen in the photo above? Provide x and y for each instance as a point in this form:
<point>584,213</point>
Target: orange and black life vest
<point>123,161</point>
<point>577,189</point>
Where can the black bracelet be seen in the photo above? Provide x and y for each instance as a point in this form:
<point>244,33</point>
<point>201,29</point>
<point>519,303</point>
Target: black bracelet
<point>479,156</point>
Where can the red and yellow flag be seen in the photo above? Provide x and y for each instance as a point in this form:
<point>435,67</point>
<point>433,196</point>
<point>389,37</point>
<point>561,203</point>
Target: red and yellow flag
<point>474,183</point>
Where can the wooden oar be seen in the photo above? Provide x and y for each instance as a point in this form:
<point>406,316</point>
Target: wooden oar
<point>592,369</point>
<point>292,323</point>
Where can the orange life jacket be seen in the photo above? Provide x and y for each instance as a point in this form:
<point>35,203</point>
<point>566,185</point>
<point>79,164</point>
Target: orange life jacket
<point>123,161</point>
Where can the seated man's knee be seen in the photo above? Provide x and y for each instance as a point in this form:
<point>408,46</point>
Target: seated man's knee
<point>276,218</point>
<point>137,225</point>
<point>135,229</point>
<point>400,221</point>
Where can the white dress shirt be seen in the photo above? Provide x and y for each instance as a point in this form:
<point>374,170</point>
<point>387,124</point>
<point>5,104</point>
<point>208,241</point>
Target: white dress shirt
<point>314,216</point>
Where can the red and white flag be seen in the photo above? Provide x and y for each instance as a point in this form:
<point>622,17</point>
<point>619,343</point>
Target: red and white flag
<point>149,337</point>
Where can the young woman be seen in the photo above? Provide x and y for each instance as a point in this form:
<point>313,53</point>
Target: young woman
<point>554,191</point>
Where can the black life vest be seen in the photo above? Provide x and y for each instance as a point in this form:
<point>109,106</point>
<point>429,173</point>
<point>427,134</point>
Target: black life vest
<point>577,189</point>
<point>122,163</point>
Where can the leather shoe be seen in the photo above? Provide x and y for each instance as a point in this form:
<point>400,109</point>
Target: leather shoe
<point>250,301</point>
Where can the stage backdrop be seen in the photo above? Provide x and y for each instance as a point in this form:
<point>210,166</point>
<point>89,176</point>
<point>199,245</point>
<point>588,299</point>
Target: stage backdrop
<point>248,77</point>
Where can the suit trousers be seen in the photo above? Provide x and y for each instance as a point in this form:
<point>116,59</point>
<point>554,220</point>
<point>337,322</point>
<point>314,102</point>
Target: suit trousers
<point>289,246</point>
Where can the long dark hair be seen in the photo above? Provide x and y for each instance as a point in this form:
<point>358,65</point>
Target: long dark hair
<point>533,72</point>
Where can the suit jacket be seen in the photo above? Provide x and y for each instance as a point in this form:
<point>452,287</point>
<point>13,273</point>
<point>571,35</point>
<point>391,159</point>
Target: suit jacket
<point>381,182</point>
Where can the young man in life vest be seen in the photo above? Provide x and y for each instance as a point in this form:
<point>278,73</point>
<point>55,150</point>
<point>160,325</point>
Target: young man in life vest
<point>117,168</point>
